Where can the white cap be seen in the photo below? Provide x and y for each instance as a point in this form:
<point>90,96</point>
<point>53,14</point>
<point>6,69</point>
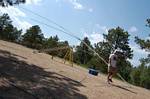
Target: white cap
<point>116,51</point>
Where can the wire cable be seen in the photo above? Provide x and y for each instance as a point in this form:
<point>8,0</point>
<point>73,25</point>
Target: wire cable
<point>66,31</point>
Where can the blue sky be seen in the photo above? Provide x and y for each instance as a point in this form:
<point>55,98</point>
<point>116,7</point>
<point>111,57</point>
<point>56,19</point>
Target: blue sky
<point>89,18</point>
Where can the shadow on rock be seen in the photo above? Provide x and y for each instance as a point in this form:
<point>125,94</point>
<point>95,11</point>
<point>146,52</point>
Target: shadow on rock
<point>28,81</point>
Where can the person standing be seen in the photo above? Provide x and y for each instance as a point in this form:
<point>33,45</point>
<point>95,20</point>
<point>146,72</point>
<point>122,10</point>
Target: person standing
<point>112,66</point>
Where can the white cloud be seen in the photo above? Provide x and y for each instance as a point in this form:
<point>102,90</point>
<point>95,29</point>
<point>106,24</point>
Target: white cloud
<point>15,14</point>
<point>35,2</point>
<point>148,38</point>
<point>21,24</point>
<point>98,25</point>
<point>76,4</point>
<point>86,35</point>
<point>78,43</point>
<point>134,61</point>
<point>94,37</point>
<point>12,11</point>
<point>133,29</point>
<point>56,0</point>
<point>136,49</point>
<point>97,33</point>
<point>90,10</point>
<point>137,54</point>
<point>104,28</point>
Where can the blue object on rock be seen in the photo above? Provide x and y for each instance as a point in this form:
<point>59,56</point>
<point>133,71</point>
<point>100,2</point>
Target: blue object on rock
<point>93,72</point>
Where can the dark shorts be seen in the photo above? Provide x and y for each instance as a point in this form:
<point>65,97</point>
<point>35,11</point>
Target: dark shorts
<point>112,69</point>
